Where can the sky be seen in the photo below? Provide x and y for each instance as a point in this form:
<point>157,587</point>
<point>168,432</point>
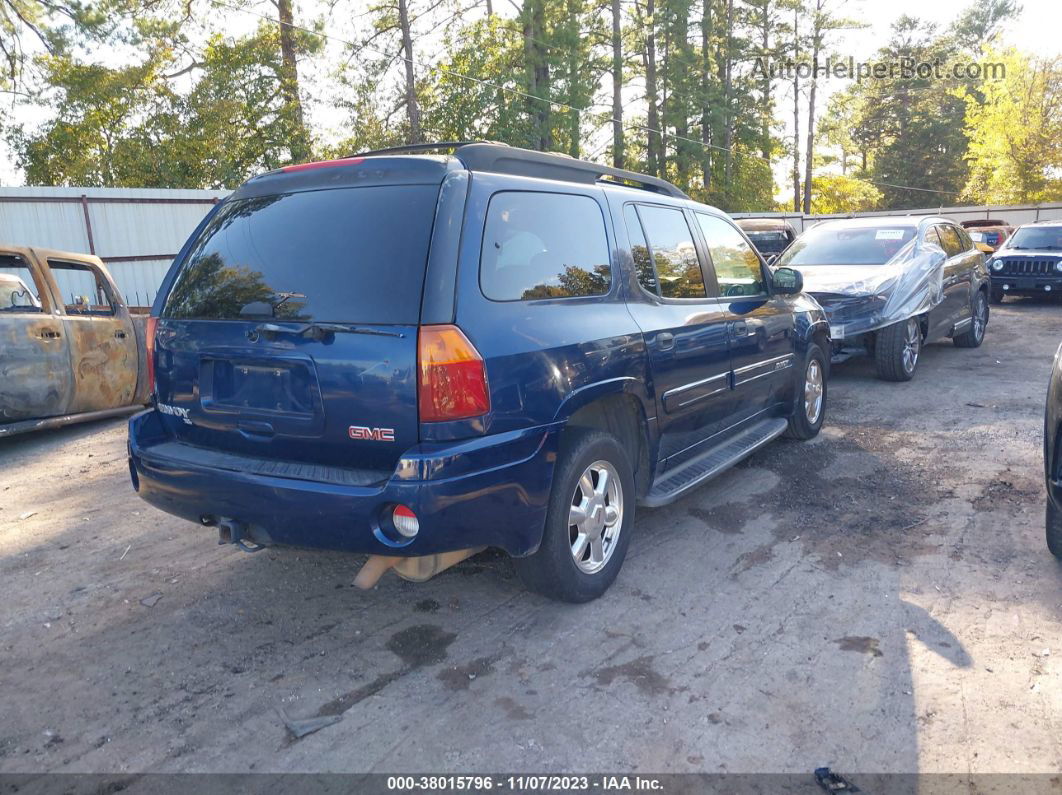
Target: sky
<point>1035,31</point>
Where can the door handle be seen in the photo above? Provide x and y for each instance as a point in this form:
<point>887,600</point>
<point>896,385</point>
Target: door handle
<point>119,335</point>
<point>49,334</point>
<point>665,340</point>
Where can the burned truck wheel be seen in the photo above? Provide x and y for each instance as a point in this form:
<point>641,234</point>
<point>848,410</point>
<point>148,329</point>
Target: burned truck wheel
<point>896,350</point>
<point>588,525</point>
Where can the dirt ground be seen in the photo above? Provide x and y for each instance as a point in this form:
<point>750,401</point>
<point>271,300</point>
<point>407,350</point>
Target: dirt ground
<point>877,600</point>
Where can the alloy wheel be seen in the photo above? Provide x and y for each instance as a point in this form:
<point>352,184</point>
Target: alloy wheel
<point>912,345</point>
<point>595,516</point>
<point>979,319</point>
<point>813,391</point>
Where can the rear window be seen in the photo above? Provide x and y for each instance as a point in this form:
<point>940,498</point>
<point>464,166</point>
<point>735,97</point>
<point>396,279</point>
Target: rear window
<point>769,242</point>
<point>348,255</point>
<point>543,245</point>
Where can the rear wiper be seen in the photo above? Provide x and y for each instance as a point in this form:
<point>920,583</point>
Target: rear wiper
<point>319,331</point>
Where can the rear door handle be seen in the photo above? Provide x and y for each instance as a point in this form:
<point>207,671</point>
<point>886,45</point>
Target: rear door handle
<point>665,340</point>
<point>49,334</point>
<point>119,334</point>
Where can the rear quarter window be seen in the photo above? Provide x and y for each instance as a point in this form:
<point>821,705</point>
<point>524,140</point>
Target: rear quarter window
<point>344,255</point>
<point>543,245</point>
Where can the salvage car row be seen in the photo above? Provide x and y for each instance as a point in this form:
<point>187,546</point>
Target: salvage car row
<point>417,356</point>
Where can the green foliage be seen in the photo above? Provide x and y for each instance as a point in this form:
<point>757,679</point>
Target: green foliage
<point>128,127</point>
<point>836,193</point>
<point>489,106</point>
<point>184,109</point>
<point>914,132</point>
<point>1015,151</point>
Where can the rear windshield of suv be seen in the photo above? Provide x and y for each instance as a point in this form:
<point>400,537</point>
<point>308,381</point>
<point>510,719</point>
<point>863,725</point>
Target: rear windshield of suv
<point>345,255</point>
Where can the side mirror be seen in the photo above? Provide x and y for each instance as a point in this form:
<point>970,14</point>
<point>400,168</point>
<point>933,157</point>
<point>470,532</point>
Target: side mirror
<point>787,281</point>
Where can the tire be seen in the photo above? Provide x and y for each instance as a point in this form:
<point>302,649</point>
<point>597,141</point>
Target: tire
<point>806,420</point>
<point>553,570</point>
<point>975,335</point>
<point>896,350</point>
<point>1054,529</point>
<point>996,295</point>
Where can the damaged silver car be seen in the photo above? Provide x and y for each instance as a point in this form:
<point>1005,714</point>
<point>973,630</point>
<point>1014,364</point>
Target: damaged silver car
<point>892,285</point>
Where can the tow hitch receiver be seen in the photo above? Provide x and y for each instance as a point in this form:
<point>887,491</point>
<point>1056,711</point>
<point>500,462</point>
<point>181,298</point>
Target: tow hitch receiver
<point>231,531</point>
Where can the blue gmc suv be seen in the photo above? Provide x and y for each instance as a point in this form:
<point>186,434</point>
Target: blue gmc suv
<point>418,356</point>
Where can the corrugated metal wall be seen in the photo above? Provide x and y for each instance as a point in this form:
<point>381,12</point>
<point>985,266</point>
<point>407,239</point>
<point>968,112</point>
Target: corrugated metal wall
<point>1013,215</point>
<point>136,231</point>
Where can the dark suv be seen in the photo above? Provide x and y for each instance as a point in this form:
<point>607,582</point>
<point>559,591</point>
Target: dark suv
<point>1029,262</point>
<point>418,356</point>
<point>1053,457</point>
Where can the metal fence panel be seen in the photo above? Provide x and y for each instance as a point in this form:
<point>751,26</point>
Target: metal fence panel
<point>136,231</point>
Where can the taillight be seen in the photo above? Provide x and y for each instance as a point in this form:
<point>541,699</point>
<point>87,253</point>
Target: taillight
<point>453,380</point>
<point>149,337</point>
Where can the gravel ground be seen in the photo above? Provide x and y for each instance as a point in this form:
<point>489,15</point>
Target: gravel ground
<point>878,600</point>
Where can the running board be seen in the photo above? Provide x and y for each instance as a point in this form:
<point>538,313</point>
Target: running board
<point>671,485</point>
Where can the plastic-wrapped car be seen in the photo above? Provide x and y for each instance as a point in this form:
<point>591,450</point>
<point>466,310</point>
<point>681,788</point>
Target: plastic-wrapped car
<point>891,285</point>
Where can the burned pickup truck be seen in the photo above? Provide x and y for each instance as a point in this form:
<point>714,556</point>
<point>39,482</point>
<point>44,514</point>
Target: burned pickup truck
<point>70,348</point>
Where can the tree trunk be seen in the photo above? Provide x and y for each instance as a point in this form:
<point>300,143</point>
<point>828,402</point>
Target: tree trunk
<point>728,121</point>
<point>617,85</point>
<point>810,152</point>
<point>683,99</point>
<point>412,106</point>
<point>766,110</point>
<point>289,82</point>
<point>653,143</point>
<point>575,99</point>
<point>706,116</point>
<point>664,66</point>
<point>537,72</point>
<point>796,111</point>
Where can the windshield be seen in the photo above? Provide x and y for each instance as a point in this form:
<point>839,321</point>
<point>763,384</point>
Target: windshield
<point>347,255</point>
<point>769,242</point>
<point>846,245</point>
<point>1047,238</point>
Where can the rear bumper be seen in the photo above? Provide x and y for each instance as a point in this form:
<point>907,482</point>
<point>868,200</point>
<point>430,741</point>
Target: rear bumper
<point>488,491</point>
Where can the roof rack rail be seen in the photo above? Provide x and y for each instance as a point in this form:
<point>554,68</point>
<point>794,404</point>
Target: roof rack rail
<point>504,159</point>
<point>528,163</point>
<point>414,148</point>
